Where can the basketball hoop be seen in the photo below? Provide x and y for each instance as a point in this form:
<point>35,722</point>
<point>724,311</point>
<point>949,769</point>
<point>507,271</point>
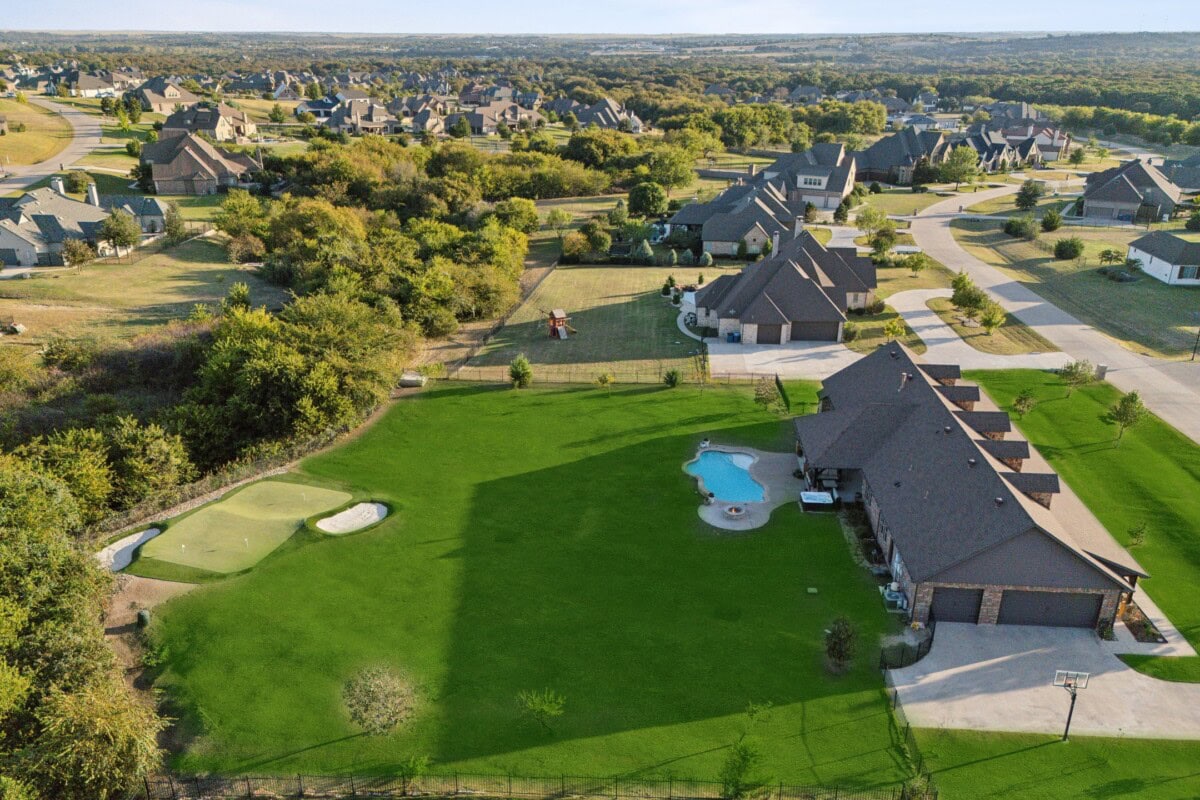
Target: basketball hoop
<point>1073,682</point>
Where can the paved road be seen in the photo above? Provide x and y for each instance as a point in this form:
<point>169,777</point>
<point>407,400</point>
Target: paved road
<point>1169,388</point>
<point>86,139</point>
<point>999,678</point>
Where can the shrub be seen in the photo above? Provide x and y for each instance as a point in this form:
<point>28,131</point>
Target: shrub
<point>706,259</point>
<point>246,247</point>
<point>876,188</point>
<point>1066,249</point>
<point>736,770</point>
<point>920,189</point>
<point>1193,222</point>
<point>1052,221</point>
<point>840,643</point>
<point>810,212</point>
<point>378,701</point>
<point>672,378</point>
<point>687,258</point>
<point>542,706</point>
<point>134,148</point>
<point>644,253</point>
<point>666,288</point>
<point>520,372</point>
<point>876,307</point>
<point>574,248</point>
<point>77,181</point>
<point>849,331</point>
<point>1020,227</point>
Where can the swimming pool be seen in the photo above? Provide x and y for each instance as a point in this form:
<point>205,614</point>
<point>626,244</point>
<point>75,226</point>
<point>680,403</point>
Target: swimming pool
<point>727,476</point>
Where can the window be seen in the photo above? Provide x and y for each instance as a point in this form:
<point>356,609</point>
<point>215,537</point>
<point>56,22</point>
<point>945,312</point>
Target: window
<point>1189,273</point>
<point>812,181</point>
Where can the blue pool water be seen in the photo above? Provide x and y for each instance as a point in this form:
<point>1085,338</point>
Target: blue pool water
<point>727,476</point>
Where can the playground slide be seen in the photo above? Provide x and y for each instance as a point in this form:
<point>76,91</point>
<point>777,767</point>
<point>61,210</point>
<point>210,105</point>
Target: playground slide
<point>562,333</point>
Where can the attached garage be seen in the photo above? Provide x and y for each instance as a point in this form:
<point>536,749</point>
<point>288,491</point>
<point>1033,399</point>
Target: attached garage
<point>1059,609</point>
<point>814,331</point>
<point>9,258</point>
<point>956,605</point>
<point>770,334</point>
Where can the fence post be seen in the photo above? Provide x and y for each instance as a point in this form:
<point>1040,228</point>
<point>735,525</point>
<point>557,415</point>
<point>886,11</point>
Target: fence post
<point>562,785</point>
<point>300,785</point>
<point>171,782</point>
<point>456,782</point>
<point>670,787</point>
<point>249,791</point>
<point>353,788</point>
<point>616,789</point>
<point>510,785</point>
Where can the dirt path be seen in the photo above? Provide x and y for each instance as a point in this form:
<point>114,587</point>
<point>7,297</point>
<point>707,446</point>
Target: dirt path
<point>132,595</point>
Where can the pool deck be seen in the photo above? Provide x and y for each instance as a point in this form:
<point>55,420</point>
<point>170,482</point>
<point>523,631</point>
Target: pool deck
<point>773,471</point>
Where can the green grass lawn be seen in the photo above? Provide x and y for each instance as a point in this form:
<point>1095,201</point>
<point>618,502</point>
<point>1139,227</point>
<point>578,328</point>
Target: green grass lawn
<point>235,532</point>
<point>624,325</point>
<point>902,201</point>
<point>46,133</point>
<point>1147,316</point>
<point>125,299</point>
<point>892,280</point>
<point>1152,478</point>
<point>1011,338</point>
<point>995,766</point>
<point>542,538</point>
<point>1005,206</point>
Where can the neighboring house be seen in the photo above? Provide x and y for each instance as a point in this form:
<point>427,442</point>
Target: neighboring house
<point>321,108</point>
<point>161,96</point>
<point>348,94</point>
<point>893,158</point>
<point>925,101</point>
<point>1134,191</point>
<point>427,121</point>
<point>801,293</point>
<point>86,84</point>
<point>966,534</point>
<point>34,226</point>
<point>1170,258</point>
<point>150,212</point>
<point>187,164</point>
<point>994,152</point>
<point>359,117</point>
<point>223,123</point>
<point>407,107</point>
<point>1013,112</point>
<point>606,113</point>
<point>805,95</point>
<point>921,122</point>
<point>487,120</point>
<point>285,91</point>
<point>1183,173</point>
<point>755,213</point>
<point>1052,143</point>
<point>823,175</point>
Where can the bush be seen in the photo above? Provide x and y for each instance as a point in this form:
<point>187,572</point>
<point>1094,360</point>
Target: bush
<point>1193,222</point>
<point>378,701</point>
<point>246,247</point>
<point>1067,249</point>
<point>920,189</point>
<point>643,253</point>
<point>672,378</point>
<point>1052,221</point>
<point>840,643</point>
<point>706,259</point>
<point>876,188</point>
<point>849,331</point>
<point>520,372</point>
<point>1021,227</point>
<point>77,181</point>
<point>876,307</point>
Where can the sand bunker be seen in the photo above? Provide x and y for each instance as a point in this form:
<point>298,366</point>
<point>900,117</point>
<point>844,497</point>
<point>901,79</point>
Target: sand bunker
<point>354,518</point>
<point>119,555</point>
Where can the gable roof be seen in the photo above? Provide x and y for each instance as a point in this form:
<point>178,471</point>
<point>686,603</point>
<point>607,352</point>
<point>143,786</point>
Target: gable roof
<point>1168,247</point>
<point>1134,181</point>
<point>904,148</point>
<point>944,498</point>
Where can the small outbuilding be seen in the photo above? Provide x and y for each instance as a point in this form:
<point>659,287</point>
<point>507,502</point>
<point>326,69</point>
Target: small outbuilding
<point>558,324</point>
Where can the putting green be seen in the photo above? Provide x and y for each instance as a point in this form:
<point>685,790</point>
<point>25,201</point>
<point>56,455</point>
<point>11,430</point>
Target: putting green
<point>238,531</point>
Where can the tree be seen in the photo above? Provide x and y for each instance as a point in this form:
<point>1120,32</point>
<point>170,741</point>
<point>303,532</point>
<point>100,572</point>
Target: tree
<point>173,225</point>
<point>241,213</point>
<point>120,229</point>
<point>520,372</point>
<point>643,253</point>
<point>810,212</point>
<point>77,253</point>
<point>706,259</point>
<point>672,378</point>
<point>378,700</point>
<point>542,706</point>
<point>133,108</point>
<point>460,128</point>
<point>77,181</point>
<point>883,239</point>
<point>961,166</point>
<point>1193,221</point>
<point>743,250</point>
<point>736,770</point>
<point>842,212</point>
<point>1077,156</point>
<point>1052,221</point>
<point>647,199</point>
<point>605,380</point>
<point>917,263</point>
<point>518,213</point>
<point>894,329</point>
<point>1024,402</point>
<point>841,642</point>
<point>1127,412</point>
<point>992,317</point>
<point>870,219</point>
<point>1030,193</point>
<point>618,215</point>
<point>1077,374</point>
<point>558,220</point>
<point>277,114</point>
<point>766,394</point>
<point>1111,255</point>
<point>145,459</point>
<point>671,167</point>
<point>1069,248</point>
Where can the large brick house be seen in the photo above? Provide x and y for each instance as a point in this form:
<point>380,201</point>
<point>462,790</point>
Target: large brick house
<point>965,531</point>
<point>1134,191</point>
<point>187,164</point>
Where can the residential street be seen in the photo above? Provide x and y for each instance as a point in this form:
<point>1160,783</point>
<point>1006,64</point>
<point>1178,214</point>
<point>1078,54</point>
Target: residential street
<point>87,138</point>
<point>1169,388</point>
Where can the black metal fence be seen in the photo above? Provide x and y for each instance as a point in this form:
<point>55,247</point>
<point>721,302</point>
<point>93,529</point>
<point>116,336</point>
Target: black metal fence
<point>497,786</point>
<point>908,740</point>
<point>900,655</point>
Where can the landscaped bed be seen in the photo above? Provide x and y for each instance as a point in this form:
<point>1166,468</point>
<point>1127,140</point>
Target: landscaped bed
<point>549,539</point>
<point>1011,338</point>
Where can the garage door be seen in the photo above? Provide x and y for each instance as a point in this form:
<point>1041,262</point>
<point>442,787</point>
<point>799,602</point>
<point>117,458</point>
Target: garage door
<point>1050,608</point>
<point>769,334</point>
<point>956,605</point>
<point>814,331</point>
<point>8,257</point>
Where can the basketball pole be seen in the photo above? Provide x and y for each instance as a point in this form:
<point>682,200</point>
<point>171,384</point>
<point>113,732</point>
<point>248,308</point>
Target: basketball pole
<point>1070,712</point>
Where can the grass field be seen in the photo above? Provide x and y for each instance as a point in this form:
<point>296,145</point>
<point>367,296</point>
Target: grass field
<point>1152,478</point>
<point>902,201</point>
<point>543,538</point>
<point>235,532</point>
<point>991,766</point>
<point>623,323</point>
<point>46,133</point>
<point>1011,338</point>
<point>1146,316</point>
<point>259,110</point>
<point>1005,205</point>
<point>123,300</point>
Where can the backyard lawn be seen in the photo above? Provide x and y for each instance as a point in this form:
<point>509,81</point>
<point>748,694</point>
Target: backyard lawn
<point>1146,316</point>
<point>541,538</point>
<point>902,201</point>
<point>1151,479</point>
<point>623,325</point>
<point>46,133</point>
<point>123,300</point>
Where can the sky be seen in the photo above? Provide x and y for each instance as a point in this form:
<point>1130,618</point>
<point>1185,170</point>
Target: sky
<point>598,16</point>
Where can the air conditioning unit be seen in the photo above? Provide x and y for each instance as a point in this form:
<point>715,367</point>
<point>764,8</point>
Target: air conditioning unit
<point>893,586</point>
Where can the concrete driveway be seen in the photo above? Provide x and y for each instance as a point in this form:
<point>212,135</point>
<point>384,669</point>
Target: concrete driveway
<point>947,347</point>
<point>86,139</point>
<point>812,360</point>
<point>998,678</point>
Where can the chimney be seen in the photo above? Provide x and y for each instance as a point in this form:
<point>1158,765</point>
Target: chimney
<point>93,195</point>
<point>775,243</point>
<point>798,227</point>
<point>56,183</point>
<point>752,169</point>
